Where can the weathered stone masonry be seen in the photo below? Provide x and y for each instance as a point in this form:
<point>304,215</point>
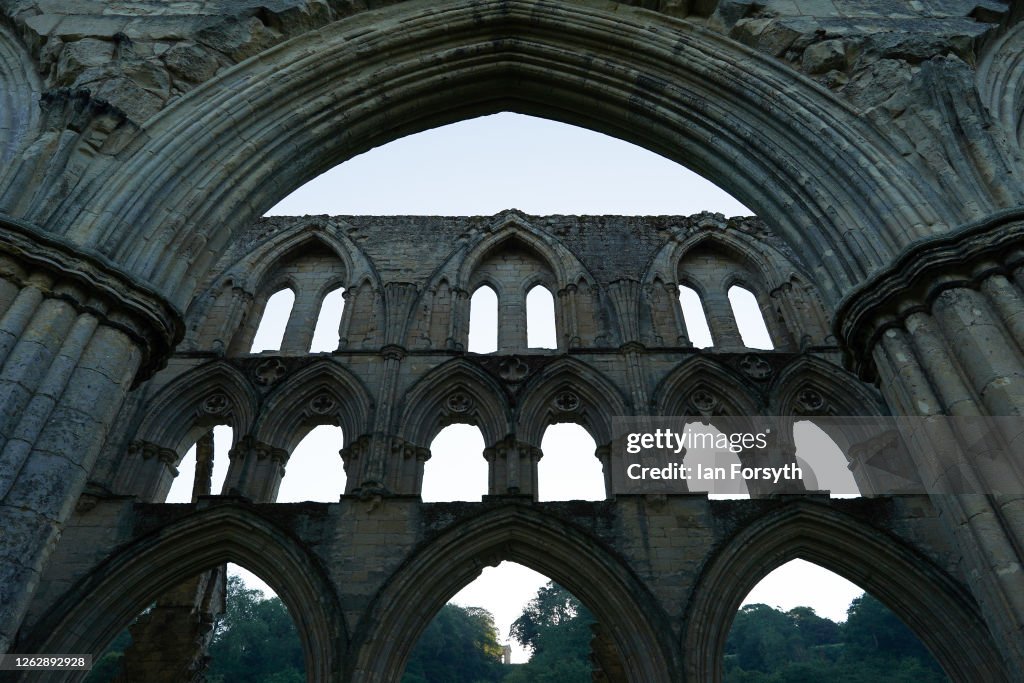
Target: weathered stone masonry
<point>879,142</point>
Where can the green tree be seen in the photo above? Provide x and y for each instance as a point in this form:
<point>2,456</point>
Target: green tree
<point>766,645</point>
<point>460,645</point>
<point>556,627</point>
<point>255,640</point>
<point>872,632</point>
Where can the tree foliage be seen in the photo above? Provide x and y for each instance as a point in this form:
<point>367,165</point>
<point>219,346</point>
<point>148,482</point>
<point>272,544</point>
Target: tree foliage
<point>255,640</point>
<point>460,645</point>
<point>556,627</point>
<point>769,646</point>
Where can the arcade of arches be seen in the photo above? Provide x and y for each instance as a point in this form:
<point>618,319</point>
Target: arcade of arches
<point>881,143</point>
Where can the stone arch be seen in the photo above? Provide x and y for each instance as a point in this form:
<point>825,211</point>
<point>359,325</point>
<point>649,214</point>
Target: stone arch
<point>20,90</point>
<point>259,261</point>
<point>776,140</point>
<point>455,392</point>
<point>843,393</point>
<point>753,248</point>
<point>853,415</point>
<point>729,394</point>
<point>322,393</point>
<point>170,420</point>
<point>96,608</point>
<point>284,262</point>
<point>936,607</point>
<point>594,401</point>
<point>174,418</point>
<point>744,259</point>
<point>1000,76</point>
<point>564,265</point>
<point>558,549</point>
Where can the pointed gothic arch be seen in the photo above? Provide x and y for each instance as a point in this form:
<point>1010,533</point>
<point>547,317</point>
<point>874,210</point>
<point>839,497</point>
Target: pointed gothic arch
<point>456,392</point>
<point>940,611</point>
<point>556,548</point>
<point>569,390</point>
<point>322,393</point>
<point>810,165</point>
<point>213,393</point>
<point>95,609</point>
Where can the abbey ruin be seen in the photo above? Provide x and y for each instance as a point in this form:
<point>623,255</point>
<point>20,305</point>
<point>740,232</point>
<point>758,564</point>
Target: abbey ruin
<point>879,142</point>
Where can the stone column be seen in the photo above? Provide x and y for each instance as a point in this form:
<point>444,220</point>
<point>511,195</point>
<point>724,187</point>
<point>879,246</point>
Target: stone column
<point>721,320</point>
<point>170,641</point>
<point>512,321</point>
<point>513,467</point>
<point>298,333</point>
<point>942,335</point>
<point>256,470</point>
<point>74,334</point>
<point>374,474</point>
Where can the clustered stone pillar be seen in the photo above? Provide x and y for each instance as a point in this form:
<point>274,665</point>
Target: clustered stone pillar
<point>948,346</point>
<point>68,355</point>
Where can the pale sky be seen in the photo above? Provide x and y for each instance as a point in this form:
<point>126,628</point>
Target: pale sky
<point>480,167</point>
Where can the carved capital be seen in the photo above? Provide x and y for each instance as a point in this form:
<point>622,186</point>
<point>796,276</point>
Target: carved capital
<point>962,258</point>
<point>94,285</point>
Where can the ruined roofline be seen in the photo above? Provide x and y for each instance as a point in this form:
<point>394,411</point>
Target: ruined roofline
<point>509,213</point>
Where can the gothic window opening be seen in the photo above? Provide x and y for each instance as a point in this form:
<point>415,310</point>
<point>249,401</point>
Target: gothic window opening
<point>693,315</point>
<point>707,458</point>
<point>822,461</point>
<point>523,278</point>
<point>749,319</point>
<point>456,469</point>
<point>315,471</point>
<point>569,470</point>
<point>270,333</point>
<point>185,487</point>
<point>540,319</point>
<point>847,635</point>
<point>327,336</point>
<point>483,321</point>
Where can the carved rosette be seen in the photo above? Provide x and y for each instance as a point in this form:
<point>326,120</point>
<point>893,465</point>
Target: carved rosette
<point>322,404</point>
<point>216,404</point>
<point>810,402</point>
<point>566,402</point>
<point>269,372</point>
<point>703,402</point>
<point>755,367</point>
<point>459,403</point>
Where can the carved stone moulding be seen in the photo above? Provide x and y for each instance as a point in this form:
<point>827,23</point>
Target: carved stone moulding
<point>93,285</point>
<point>962,258</point>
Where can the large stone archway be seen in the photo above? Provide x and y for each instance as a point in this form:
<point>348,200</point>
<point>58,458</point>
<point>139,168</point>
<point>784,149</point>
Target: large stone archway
<point>903,206</point>
<point>780,143</point>
<point>936,609</point>
<point>545,543</point>
<point>107,599</point>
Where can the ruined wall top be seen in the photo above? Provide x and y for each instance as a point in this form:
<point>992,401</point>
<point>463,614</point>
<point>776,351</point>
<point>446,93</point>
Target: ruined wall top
<point>140,56</point>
